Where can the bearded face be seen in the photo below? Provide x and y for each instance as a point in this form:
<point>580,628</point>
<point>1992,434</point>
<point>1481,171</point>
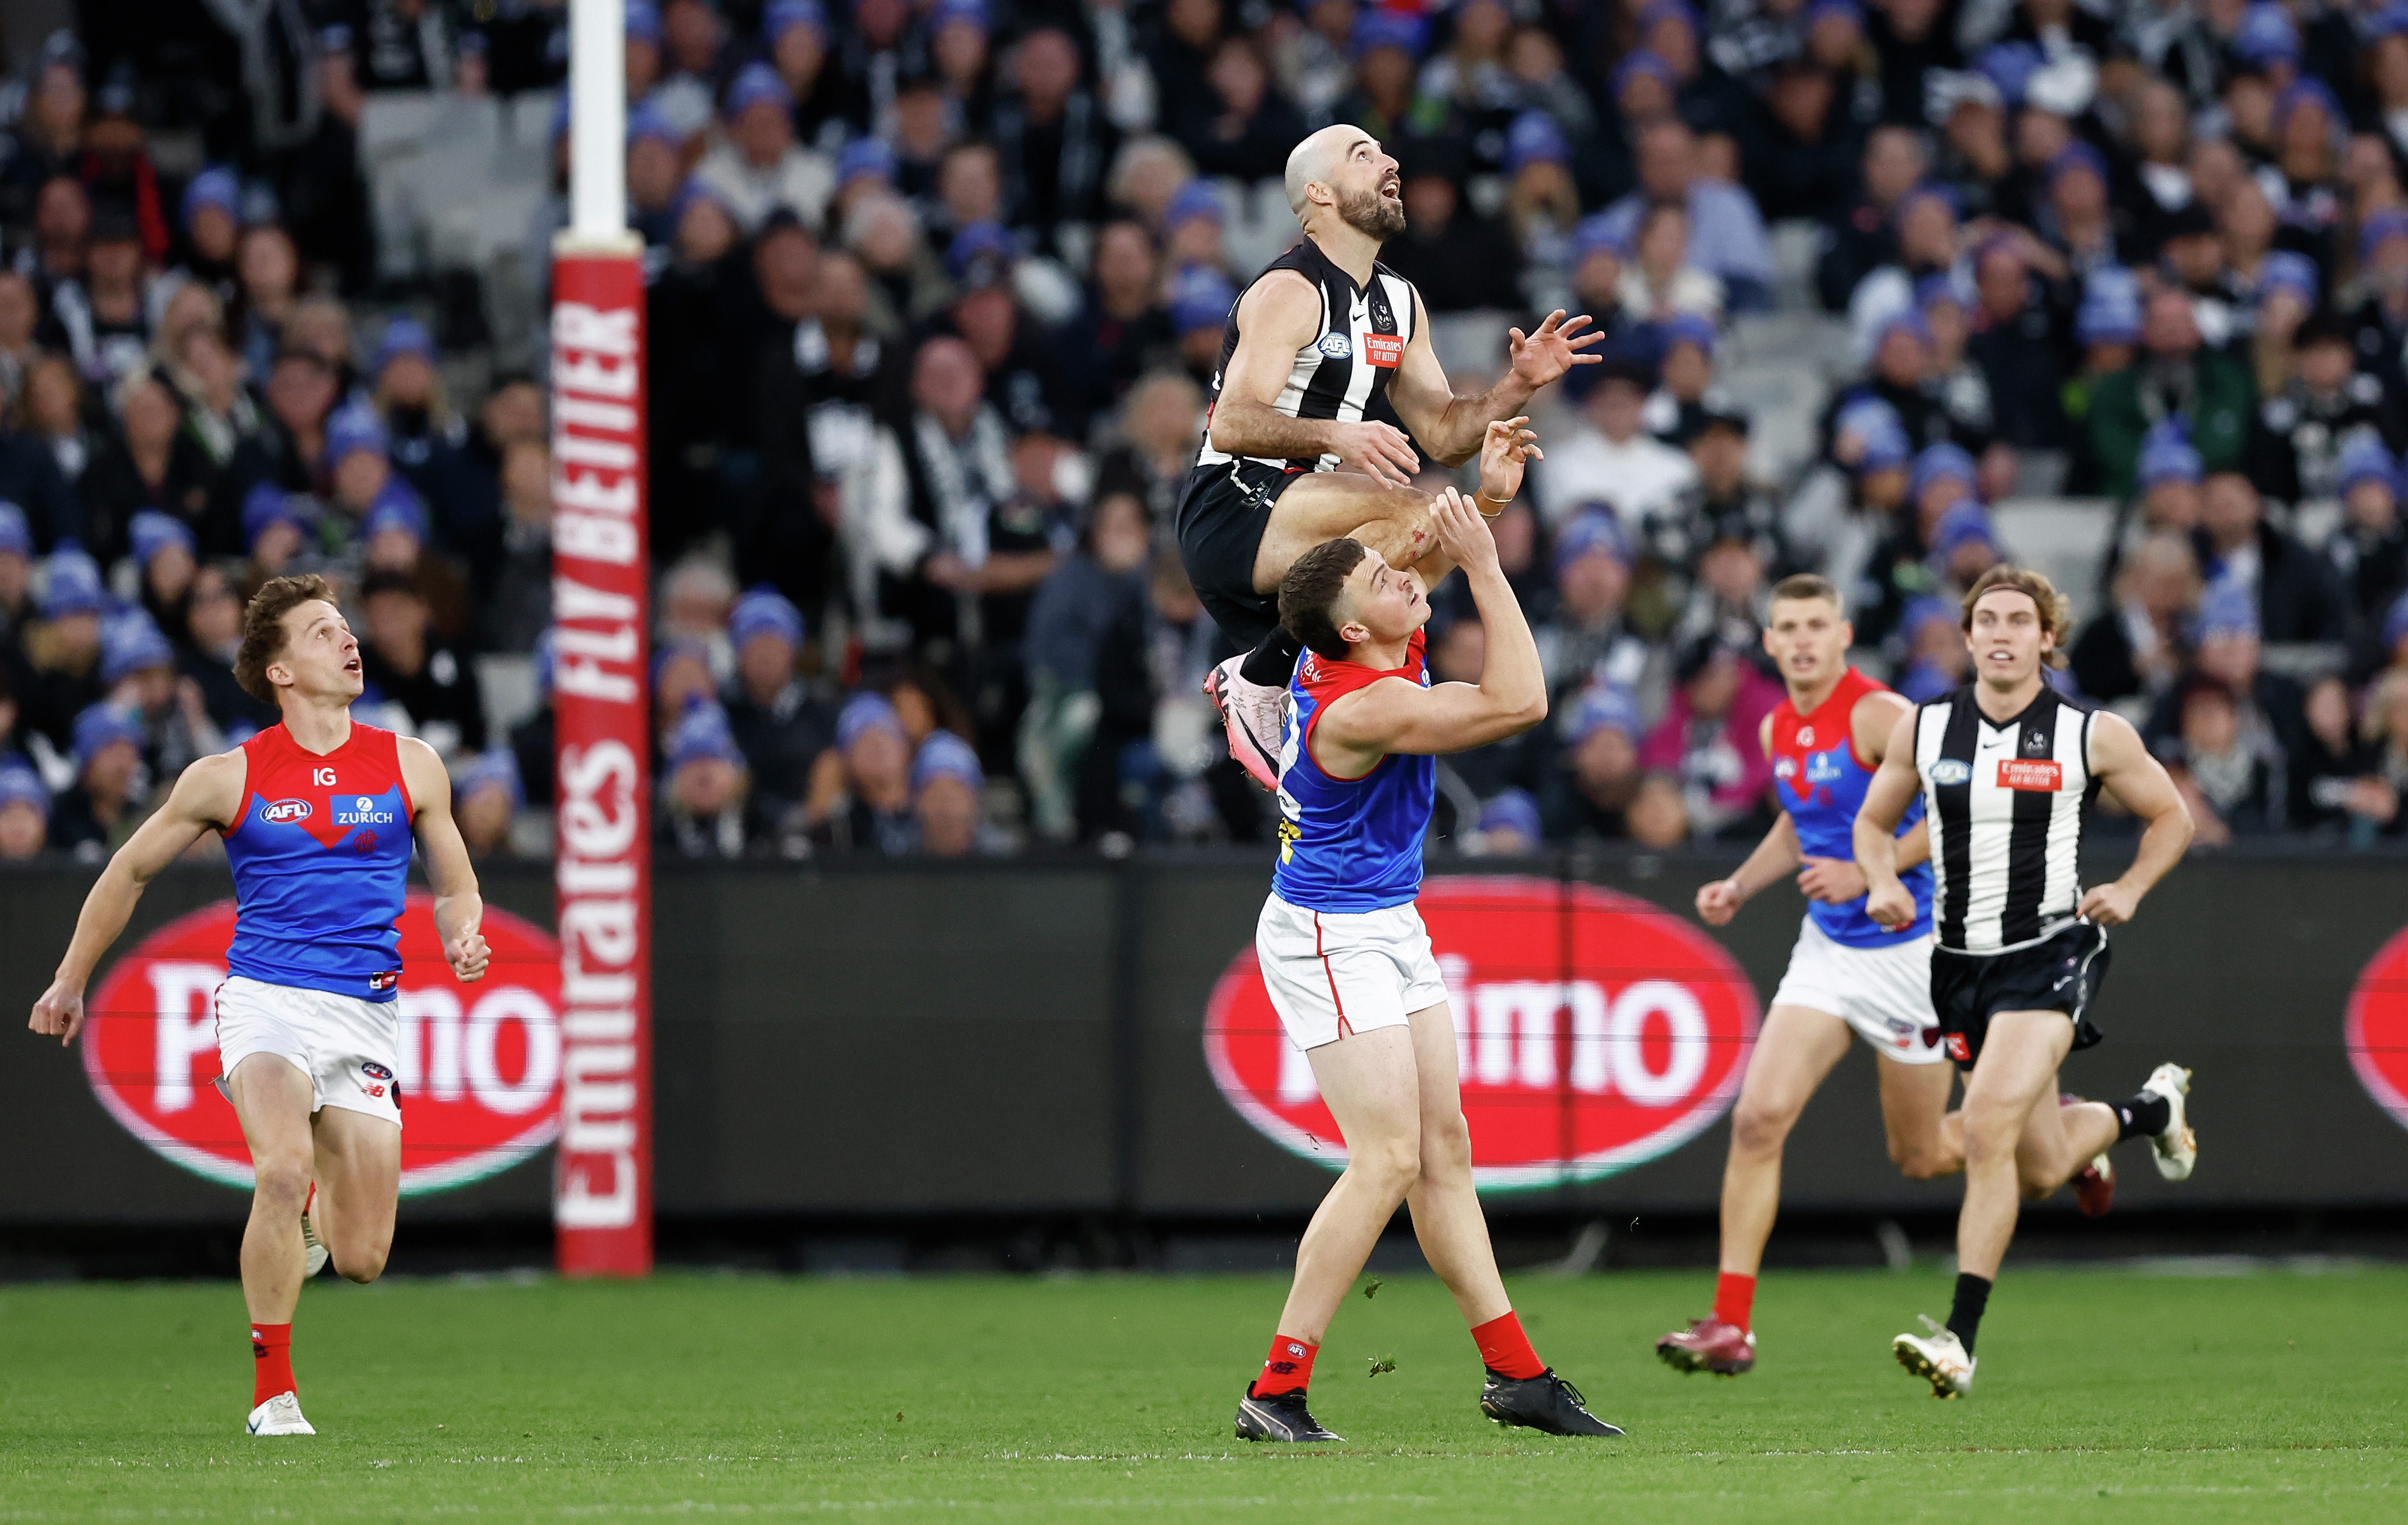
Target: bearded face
<point>1377,214</point>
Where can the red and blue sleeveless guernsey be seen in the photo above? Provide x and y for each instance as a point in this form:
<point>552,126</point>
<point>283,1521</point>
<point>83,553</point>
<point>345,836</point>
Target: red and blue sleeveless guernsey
<point>321,855</point>
<point>1350,844</point>
<point>1821,782</point>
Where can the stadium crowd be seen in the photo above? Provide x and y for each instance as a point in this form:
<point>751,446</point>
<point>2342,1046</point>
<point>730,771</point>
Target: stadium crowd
<point>936,290</point>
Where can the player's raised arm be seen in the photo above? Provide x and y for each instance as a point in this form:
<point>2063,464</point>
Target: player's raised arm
<point>2121,763</point>
<point>1279,315</point>
<point>205,798</point>
<point>1506,450</point>
<point>459,909</point>
<point>1452,426</point>
<point>1396,716</point>
<point>1886,797</point>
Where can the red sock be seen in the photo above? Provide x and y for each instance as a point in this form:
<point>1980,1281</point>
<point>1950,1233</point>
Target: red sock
<point>1288,1367</point>
<point>1505,1349</point>
<point>271,1355</point>
<point>1734,1298</point>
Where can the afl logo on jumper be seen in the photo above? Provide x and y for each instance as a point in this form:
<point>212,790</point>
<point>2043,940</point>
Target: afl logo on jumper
<point>1336,346</point>
<point>1951,770</point>
<point>285,810</point>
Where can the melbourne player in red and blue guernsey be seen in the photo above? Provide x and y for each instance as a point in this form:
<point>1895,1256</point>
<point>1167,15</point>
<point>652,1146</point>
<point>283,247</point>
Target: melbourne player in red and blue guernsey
<point>318,813</point>
<point>1348,963</point>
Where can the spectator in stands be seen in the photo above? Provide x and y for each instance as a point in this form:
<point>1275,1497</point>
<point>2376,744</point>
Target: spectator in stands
<point>1068,619</point>
<point>1708,738</point>
<point>1936,660</point>
<point>703,808</point>
<point>2385,726</point>
<point>948,790</point>
<point>93,816</point>
<point>1592,792</point>
<point>516,604</point>
<point>2368,551</point>
<point>2295,594</point>
<point>2135,649</point>
<point>1726,236</point>
<point>1613,458</point>
<point>1587,641</point>
<point>1383,101</point>
<point>486,797</point>
<point>1023,379</point>
<point>778,725</point>
<point>404,665</point>
<point>151,464</point>
<point>1659,284</point>
<point>1800,149</point>
<point>1054,142</point>
<point>861,791</point>
<point>1864,238</point>
<point>1191,227</point>
<point>2304,430</point>
<point>1458,260</point>
<point>1686,396</point>
<point>16,583</point>
<point>49,136</point>
<point>24,812</point>
<point>1520,763</point>
<point>2379,322</point>
<point>55,416</point>
<point>1121,330</point>
<point>213,626</point>
<point>62,652</point>
<point>1200,301</point>
<point>277,530</point>
<point>2335,789</point>
<point>796,33</point>
<point>2014,341</point>
<point>2174,375</point>
<point>757,166</point>
<point>1242,128</point>
<point>164,565</point>
<point>2285,294</point>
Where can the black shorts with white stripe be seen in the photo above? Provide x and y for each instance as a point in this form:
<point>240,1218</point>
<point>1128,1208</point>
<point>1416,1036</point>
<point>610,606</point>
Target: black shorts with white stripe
<point>2061,973</point>
<point>1223,513</point>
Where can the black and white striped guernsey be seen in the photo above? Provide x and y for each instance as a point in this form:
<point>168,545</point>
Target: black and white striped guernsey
<point>2007,802</point>
<point>1364,331</point>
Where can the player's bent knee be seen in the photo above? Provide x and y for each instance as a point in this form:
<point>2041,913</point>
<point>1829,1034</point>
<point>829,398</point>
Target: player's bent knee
<point>1762,1129</point>
<point>1446,1149</point>
<point>1393,1162</point>
<point>282,1181</point>
<point>1920,1162</point>
<point>361,1263</point>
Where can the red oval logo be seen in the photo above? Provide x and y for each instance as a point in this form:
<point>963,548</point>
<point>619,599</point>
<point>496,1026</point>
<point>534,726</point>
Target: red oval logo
<point>479,1064</point>
<point>2376,1027</point>
<point>1594,1031</point>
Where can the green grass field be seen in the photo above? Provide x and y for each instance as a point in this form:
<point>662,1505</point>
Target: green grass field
<point>2266,1396</point>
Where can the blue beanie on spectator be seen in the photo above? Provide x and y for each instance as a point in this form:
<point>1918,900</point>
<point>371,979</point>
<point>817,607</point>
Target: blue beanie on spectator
<point>1511,809</point>
<point>973,11</point>
<point>497,769</point>
<point>780,17</point>
<point>266,505</point>
<point>1201,298</point>
<point>1688,329</point>
<point>765,611</point>
<point>2266,35</point>
<point>70,582</point>
<point>1640,61</point>
<point>21,786</point>
<point>129,646</point>
<point>2308,90</point>
<point>2395,624</point>
<point>648,121</point>
<point>101,726</point>
<point>1927,190</point>
<point>864,713</point>
<point>2010,65</point>
<point>2228,607</point>
<point>2167,455</point>
<point>865,156</point>
<point>1875,425</point>
<point>1935,289</point>
<point>2075,156</point>
<point>404,334</point>
<point>1925,610</point>
<point>643,22</point>
<point>213,187</point>
<point>1595,234</point>
<point>1535,139</point>
<point>1907,319</point>
<point>2284,270</point>
<point>2107,317</point>
<point>1943,460</point>
<point>757,84</point>
<point>150,532</point>
<point>1964,523</point>
<point>1194,200</point>
<point>943,755</point>
<point>2366,459</point>
<point>1592,530</point>
<point>1604,706</point>
<point>982,254</point>
<point>396,508</point>
<point>2389,21</point>
<point>1377,28</point>
<point>1847,10</point>
<point>352,428</point>
<point>702,732</point>
<point>16,538</point>
<point>2381,223</point>
<point>1663,10</point>
<point>679,650</point>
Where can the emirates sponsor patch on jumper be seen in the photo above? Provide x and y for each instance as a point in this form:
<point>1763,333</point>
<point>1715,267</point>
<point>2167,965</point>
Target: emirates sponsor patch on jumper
<point>1384,351</point>
<point>2047,776</point>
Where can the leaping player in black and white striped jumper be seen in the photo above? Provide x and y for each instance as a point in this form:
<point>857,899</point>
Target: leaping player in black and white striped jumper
<point>1290,460</point>
<point>2008,768</point>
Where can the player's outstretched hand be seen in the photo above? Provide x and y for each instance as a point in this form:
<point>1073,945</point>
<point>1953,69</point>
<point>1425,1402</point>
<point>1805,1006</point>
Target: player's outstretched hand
<point>1833,881</point>
<point>60,1012</point>
<point>1717,902</point>
<point>1505,451</point>
<point>1381,452</point>
<point>1463,533</point>
<point>468,956</point>
<point>1551,349</point>
<point>1892,906</point>
<point>2108,905</point>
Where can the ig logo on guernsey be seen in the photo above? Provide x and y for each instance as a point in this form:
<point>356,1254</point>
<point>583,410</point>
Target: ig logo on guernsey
<point>479,1071</point>
<point>1593,1031</point>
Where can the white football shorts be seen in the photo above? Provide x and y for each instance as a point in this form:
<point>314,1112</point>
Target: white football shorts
<point>1884,993</point>
<point>1331,972</point>
<point>350,1048</point>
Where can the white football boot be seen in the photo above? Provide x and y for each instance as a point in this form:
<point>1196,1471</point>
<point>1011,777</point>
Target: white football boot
<point>1256,717</point>
<point>1939,1358</point>
<point>2177,1146</point>
<point>314,1256</point>
<point>278,1415</point>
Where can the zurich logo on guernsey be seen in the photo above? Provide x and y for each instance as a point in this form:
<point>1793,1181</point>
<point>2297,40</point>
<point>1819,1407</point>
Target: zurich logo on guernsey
<point>366,810</point>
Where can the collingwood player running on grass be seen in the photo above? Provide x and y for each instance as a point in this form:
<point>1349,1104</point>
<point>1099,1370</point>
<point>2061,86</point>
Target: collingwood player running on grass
<point>1349,966</point>
<point>317,813</point>
<point>1847,971</point>
<point>1291,459</point>
<point>2007,768</point>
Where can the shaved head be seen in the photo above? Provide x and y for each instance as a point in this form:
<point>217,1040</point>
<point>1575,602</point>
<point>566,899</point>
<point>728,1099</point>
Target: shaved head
<point>1359,179</point>
<point>1316,159</point>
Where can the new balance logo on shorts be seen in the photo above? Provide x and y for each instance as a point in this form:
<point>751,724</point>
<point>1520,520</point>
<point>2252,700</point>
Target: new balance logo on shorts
<point>384,980</point>
<point>1958,1049</point>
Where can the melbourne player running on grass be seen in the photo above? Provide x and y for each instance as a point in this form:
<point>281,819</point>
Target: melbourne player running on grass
<point>317,813</point>
<point>1291,458</point>
<point>1848,972</point>
<point>1348,965</point>
<point>2006,767</point>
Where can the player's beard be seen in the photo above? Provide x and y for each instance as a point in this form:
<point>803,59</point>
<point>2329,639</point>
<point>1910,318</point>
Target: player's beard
<point>1372,215</point>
